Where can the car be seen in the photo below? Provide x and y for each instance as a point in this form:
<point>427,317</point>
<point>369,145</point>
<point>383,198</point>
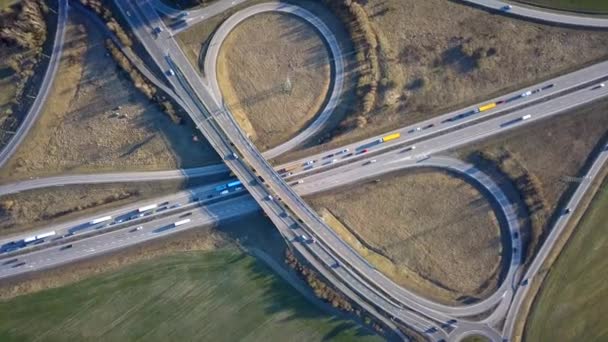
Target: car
<point>506,8</point>
<point>19,264</point>
<point>235,156</point>
<point>269,197</point>
<point>527,93</point>
<point>170,72</point>
<point>516,235</point>
<point>224,192</point>
<point>370,162</point>
<point>567,211</point>
<point>428,126</point>
<point>10,261</point>
<point>303,238</point>
<point>348,155</point>
<point>136,229</point>
<point>336,265</point>
<point>334,160</point>
<point>310,162</point>
<point>344,150</point>
<point>328,156</point>
<point>186,214</point>
<point>364,150</point>
<point>602,85</point>
<point>65,247</point>
<point>524,282</point>
<point>300,181</point>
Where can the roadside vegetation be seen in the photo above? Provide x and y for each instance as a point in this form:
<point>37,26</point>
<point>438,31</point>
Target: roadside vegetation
<point>434,56</point>
<point>215,296</point>
<point>29,209</point>
<point>586,6</point>
<point>23,32</point>
<point>274,74</point>
<point>427,230</point>
<point>95,120</point>
<point>573,299</point>
<point>542,161</point>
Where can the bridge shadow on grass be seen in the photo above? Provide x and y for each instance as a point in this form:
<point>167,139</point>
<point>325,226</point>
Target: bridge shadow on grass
<point>280,298</point>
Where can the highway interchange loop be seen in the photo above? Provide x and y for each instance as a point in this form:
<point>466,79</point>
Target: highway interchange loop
<point>388,161</point>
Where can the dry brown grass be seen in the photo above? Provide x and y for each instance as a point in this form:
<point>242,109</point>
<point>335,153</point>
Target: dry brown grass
<point>78,131</point>
<point>428,231</point>
<point>257,59</point>
<point>553,152</point>
<point>23,211</point>
<point>438,55</point>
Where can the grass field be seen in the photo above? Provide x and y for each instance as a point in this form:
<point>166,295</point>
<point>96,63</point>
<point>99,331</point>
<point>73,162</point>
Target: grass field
<point>274,74</point>
<point>437,55</point>
<point>211,296</point>
<point>566,140</point>
<point>591,6</point>
<point>573,301</point>
<point>427,230</point>
<point>79,129</point>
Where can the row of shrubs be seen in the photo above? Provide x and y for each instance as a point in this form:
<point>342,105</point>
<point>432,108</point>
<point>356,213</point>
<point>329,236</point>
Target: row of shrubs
<point>140,82</point>
<point>326,292</point>
<point>365,41</point>
<point>527,184</point>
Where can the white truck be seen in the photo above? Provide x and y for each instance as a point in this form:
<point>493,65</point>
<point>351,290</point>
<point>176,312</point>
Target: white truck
<point>179,223</point>
<point>147,207</point>
<point>101,219</point>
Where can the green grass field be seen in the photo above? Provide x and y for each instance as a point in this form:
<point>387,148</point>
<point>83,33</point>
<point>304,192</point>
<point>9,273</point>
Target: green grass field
<point>573,302</point>
<point>223,295</point>
<point>591,6</point>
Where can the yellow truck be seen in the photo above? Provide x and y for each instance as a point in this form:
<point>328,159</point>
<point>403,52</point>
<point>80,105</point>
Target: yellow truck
<point>487,106</point>
<point>390,137</point>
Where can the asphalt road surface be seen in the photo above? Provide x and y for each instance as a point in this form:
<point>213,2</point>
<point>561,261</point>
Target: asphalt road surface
<point>537,14</point>
<point>49,76</point>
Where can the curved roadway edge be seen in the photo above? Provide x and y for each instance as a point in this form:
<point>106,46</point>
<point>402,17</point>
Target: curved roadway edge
<point>541,15</point>
<point>556,232</point>
<point>330,41</point>
<point>45,87</point>
<point>319,182</point>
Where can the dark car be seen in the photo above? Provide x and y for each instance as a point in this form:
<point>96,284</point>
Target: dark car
<point>65,247</point>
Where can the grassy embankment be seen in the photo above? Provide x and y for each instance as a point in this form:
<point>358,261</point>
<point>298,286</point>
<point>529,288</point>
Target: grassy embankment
<point>212,296</point>
<point>426,230</point>
<point>274,74</point>
<point>573,301</point>
<point>540,160</point>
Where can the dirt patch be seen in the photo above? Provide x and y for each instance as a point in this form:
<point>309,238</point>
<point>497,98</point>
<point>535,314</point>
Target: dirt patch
<point>550,154</point>
<point>427,230</point>
<point>26,210</point>
<point>274,74</point>
<point>95,120</point>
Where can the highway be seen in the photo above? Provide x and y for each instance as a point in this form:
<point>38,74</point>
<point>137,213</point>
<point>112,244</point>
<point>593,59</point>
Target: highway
<point>548,98</point>
<point>568,100</point>
<point>538,14</point>
<point>355,277</point>
<point>43,92</point>
<point>222,132</point>
<point>114,177</point>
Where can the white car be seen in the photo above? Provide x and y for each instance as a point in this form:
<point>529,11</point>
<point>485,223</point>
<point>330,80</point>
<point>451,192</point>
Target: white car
<point>527,93</point>
<point>602,85</point>
<point>310,162</point>
<point>139,228</point>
